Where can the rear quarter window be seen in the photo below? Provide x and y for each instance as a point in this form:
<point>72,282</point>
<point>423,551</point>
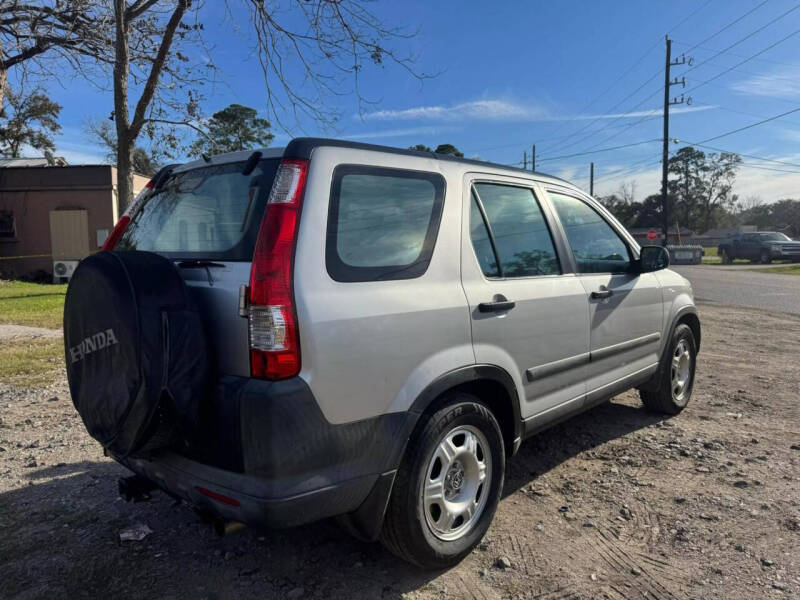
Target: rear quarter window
<point>382,223</point>
<point>210,212</point>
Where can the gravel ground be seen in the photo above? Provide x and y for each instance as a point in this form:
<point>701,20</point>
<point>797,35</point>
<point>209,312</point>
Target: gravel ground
<point>616,503</point>
<point>23,332</point>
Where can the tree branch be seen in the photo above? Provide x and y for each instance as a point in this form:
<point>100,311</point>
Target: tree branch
<point>157,67</point>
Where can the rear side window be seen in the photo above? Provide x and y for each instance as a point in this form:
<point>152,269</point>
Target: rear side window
<point>382,223</point>
<point>210,212</point>
<point>514,228</point>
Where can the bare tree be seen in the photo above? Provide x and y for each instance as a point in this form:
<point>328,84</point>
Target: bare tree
<point>35,35</point>
<point>308,50</point>
<point>627,191</point>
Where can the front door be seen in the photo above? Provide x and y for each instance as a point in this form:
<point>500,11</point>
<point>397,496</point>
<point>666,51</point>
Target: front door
<point>625,307</point>
<point>527,315</point>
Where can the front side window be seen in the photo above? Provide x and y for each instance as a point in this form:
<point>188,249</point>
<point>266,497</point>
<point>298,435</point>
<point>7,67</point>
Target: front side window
<point>382,223</point>
<point>513,240</point>
<point>597,248</point>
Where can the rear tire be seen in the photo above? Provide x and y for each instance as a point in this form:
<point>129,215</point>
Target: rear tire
<point>441,505</point>
<point>765,257</point>
<point>670,392</point>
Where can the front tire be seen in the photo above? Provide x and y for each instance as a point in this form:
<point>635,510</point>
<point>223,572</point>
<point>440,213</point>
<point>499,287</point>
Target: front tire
<point>447,488</point>
<point>671,390</point>
<point>726,258</point>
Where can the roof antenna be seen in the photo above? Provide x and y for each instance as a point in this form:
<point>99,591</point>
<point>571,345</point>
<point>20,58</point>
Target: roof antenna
<point>206,158</point>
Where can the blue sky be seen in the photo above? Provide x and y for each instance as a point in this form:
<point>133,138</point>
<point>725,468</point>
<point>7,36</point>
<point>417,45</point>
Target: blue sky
<point>570,76</point>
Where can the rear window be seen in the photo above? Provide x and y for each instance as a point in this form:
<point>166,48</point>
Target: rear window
<point>211,212</point>
<point>382,223</point>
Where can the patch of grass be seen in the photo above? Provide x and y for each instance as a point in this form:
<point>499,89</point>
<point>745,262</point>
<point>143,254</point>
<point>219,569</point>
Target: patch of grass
<point>784,270</point>
<point>35,304</point>
<point>31,363</point>
<point>710,251</point>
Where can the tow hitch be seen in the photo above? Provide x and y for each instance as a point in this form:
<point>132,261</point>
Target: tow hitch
<point>135,488</point>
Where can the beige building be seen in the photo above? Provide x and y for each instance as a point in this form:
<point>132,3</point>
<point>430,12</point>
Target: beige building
<point>53,216</point>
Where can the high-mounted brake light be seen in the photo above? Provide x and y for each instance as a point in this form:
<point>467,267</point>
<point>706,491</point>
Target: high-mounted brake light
<point>274,339</point>
<point>125,220</point>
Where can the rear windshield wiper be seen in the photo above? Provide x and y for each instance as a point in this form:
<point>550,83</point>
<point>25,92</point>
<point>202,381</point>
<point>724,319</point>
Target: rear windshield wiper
<point>198,264</point>
<point>201,264</point>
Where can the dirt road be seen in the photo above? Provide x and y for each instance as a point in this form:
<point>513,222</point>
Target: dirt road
<point>744,286</point>
<point>703,505</point>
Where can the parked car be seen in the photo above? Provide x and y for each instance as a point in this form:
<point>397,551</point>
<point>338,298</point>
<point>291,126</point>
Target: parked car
<point>762,246</point>
<point>363,332</point>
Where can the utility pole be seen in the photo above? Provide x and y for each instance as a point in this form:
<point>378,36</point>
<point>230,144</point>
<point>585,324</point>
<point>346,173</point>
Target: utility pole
<point>533,157</point>
<point>668,83</point>
<point>525,160</point>
<point>591,179</point>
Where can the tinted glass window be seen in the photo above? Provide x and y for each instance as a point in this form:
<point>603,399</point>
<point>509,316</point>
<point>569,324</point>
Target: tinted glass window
<point>382,223</point>
<point>481,242</point>
<point>519,231</point>
<point>596,246</point>
<point>210,212</point>
<point>7,224</point>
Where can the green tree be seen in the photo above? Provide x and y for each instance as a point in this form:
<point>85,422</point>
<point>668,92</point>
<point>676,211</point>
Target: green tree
<point>440,149</point>
<point>449,149</point>
<point>30,120</point>
<point>702,187</point>
<point>686,186</point>
<point>233,128</point>
<point>786,217</point>
<point>102,132</point>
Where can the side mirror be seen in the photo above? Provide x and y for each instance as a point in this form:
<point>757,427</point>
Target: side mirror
<point>653,258</point>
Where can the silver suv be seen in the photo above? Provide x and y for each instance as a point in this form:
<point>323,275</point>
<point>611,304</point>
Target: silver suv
<point>386,326</point>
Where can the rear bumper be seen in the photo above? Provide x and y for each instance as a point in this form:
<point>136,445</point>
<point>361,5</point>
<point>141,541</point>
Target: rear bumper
<point>248,499</point>
<point>270,458</point>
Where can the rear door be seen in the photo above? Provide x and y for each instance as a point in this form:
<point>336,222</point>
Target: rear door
<point>625,307</point>
<point>205,217</point>
<point>528,312</point>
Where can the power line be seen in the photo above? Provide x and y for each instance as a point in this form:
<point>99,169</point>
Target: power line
<point>601,150</point>
<point>736,54</point>
<point>631,68</point>
<point>780,162</point>
<point>767,120</point>
<point>729,69</point>
<point>712,36</point>
<point>747,37</point>
<point>762,168</point>
<point>728,26</point>
<point>746,113</point>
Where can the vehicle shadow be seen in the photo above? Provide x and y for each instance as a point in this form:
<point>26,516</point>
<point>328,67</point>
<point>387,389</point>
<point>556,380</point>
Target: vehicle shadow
<point>545,451</point>
<point>59,535</point>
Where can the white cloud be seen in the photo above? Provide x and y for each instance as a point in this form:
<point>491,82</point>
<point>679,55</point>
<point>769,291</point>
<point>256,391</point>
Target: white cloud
<point>396,133</point>
<point>654,112</point>
<point>478,110</point>
<point>780,83</point>
<point>503,110</point>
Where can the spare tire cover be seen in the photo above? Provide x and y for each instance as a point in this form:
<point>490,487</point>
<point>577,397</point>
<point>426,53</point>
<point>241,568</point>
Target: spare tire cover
<point>135,350</point>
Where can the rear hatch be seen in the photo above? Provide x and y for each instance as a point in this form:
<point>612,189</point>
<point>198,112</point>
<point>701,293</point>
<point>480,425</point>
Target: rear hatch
<point>205,216</point>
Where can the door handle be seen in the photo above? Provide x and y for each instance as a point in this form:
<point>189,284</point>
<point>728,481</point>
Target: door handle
<point>498,304</point>
<point>602,293</point>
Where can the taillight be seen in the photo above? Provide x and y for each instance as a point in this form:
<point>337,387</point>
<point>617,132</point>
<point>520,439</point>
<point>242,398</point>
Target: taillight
<point>125,220</point>
<point>274,340</point>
